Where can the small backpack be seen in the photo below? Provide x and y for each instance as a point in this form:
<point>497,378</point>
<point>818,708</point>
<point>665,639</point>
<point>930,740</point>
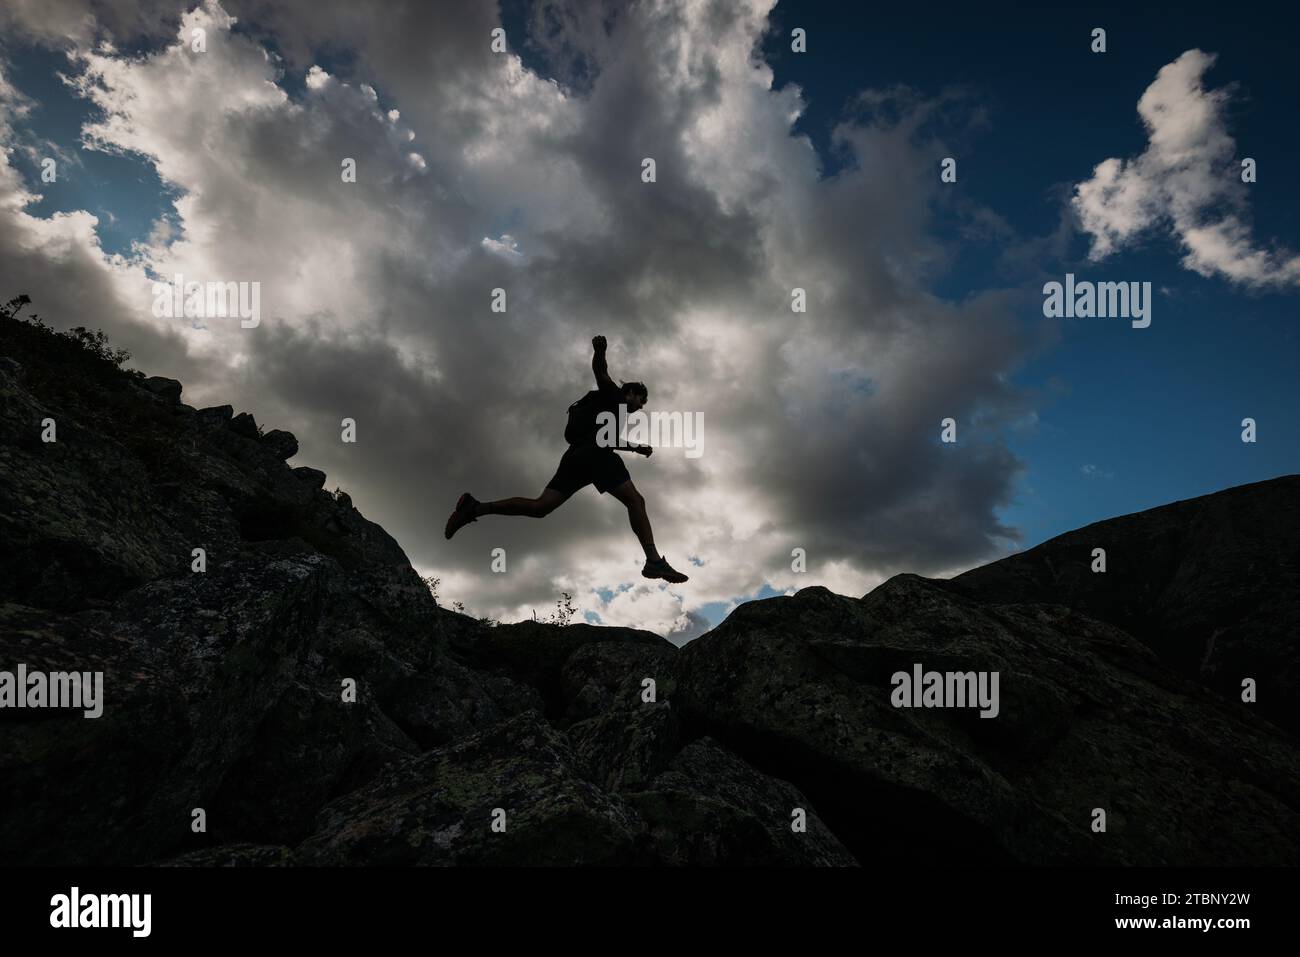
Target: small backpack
<point>580,424</point>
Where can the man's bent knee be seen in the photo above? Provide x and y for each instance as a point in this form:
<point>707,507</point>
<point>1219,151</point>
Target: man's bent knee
<point>628,494</point>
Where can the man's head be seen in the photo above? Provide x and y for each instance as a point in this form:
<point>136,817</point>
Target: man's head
<point>634,396</point>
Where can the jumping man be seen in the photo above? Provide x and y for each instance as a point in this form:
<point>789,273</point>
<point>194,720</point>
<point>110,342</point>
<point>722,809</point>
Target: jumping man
<point>587,463</point>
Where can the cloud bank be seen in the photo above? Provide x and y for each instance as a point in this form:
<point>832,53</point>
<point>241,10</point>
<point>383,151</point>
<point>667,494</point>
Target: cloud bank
<point>474,172</point>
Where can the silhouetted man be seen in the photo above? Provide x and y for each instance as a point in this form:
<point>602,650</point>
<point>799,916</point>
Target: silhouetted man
<point>587,463</point>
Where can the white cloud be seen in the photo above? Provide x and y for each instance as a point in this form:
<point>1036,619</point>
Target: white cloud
<point>1188,180</point>
<point>317,78</point>
<point>507,246</point>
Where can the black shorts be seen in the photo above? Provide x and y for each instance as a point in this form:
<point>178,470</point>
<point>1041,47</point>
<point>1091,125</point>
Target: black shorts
<point>583,465</point>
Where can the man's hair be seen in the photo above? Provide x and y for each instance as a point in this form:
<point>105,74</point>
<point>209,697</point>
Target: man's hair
<point>638,387</point>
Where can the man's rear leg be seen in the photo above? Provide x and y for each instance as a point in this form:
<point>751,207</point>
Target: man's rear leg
<point>656,566</point>
<point>539,507</point>
<point>468,509</point>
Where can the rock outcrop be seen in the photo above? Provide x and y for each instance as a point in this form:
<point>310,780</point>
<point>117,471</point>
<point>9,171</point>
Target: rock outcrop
<point>1087,719</point>
<point>271,659</point>
<point>1211,585</point>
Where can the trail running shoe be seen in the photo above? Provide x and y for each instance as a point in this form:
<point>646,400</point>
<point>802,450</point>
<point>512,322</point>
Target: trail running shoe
<point>463,514</point>
<point>659,568</point>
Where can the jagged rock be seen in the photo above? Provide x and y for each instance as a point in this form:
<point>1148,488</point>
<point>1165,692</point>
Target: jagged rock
<point>624,749</point>
<point>10,366</point>
<point>710,808</point>
<point>603,675</point>
<point>131,490</point>
<point>234,855</point>
<point>77,516</point>
<point>244,424</point>
<point>215,414</point>
<point>314,477</point>
<point>801,687</point>
<point>1211,585</point>
<point>283,445</point>
<point>168,389</point>
<point>218,696</point>
<point>73,785</point>
<point>438,808</point>
<point>450,701</point>
<point>223,688</point>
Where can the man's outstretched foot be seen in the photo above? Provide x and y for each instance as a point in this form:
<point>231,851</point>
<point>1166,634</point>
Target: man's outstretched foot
<point>466,511</point>
<point>659,568</point>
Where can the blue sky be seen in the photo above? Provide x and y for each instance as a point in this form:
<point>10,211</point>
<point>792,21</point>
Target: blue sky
<point>122,190</point>
<point>1159,412</point>
<point>1126,419</point>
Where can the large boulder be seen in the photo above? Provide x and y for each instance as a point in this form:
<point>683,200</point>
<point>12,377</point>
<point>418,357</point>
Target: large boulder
<point>168,389</point>
<point>244,424</point>
<point>283,445</point>
<point>214,415</point>
<point>314,477</point>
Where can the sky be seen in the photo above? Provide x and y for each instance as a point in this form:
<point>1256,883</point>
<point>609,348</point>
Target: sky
<point>775,169</point>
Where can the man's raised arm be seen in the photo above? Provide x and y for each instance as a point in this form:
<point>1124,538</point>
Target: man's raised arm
<point>598,365</point>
